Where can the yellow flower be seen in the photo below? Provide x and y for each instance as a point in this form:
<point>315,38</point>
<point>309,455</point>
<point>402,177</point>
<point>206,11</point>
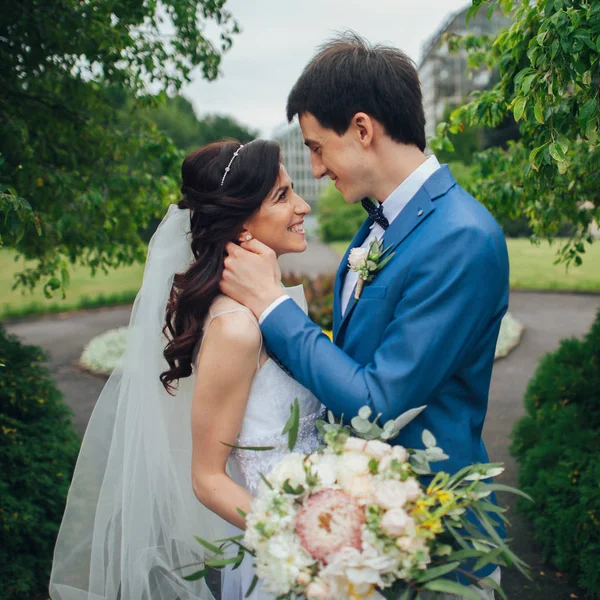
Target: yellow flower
<point>433,525</point>
<point>444,497</point>
<point>328,333</point>
<point>352,593</point>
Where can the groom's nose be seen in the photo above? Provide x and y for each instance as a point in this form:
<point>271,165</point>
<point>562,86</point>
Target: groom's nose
<point>318,168</point>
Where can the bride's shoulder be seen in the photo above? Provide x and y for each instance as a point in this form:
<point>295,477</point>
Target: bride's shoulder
<point>224,305</point>
<point>233,323</point>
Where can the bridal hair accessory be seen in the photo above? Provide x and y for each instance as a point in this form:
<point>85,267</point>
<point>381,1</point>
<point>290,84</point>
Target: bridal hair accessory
<point>228,167</point>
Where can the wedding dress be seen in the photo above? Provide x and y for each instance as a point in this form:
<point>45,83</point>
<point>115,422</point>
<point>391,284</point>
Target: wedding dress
<point>267,410</point>
<point>132,515</point>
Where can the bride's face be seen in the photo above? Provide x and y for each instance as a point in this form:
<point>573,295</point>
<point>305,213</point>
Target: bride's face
<point>279,223</point>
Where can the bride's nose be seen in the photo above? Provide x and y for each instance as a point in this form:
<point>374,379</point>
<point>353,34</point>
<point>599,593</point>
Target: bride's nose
<point>302,207</point>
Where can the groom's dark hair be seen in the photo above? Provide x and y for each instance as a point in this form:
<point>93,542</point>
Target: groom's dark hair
<point>349,75</point>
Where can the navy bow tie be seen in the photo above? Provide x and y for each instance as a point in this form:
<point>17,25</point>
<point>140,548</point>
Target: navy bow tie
<point>375,211</point>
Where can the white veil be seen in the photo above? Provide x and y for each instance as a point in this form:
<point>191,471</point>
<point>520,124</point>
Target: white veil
<point>131,512</point>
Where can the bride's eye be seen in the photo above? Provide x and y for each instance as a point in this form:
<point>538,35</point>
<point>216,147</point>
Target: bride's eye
<point>283,195</point>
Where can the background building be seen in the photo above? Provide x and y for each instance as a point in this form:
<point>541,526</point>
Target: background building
<point>445,79</point>
<point>296,158</point>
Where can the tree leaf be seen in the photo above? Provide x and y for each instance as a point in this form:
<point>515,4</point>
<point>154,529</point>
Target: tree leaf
<point>538,111</point>
<point>519,107</point>
<point>556,152</point>
<point>526,85</point>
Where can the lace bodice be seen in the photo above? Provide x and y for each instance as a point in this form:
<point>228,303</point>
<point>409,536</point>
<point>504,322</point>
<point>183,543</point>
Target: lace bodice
<point>267,410</point>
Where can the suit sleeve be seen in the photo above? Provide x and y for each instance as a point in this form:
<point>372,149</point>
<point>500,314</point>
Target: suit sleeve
<point>452,294</point>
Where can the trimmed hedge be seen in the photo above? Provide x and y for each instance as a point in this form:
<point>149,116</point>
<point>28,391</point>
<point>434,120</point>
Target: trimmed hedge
<point>319,296</point>
<point>557,445</point>
<point>38,450</point>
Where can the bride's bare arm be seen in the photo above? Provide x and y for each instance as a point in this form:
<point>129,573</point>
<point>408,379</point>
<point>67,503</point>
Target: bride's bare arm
<point>225,369</point>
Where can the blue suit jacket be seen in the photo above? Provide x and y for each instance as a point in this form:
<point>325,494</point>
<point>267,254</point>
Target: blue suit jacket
<point>423,332</point>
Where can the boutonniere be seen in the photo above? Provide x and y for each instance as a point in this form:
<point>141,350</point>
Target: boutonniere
<point>367,262</point>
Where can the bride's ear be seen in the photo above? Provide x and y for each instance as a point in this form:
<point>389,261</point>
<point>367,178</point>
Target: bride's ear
<point>245,236</point>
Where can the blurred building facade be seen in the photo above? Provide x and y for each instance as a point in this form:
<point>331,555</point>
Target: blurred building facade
<point>445,78</point>
<point>296,158</point>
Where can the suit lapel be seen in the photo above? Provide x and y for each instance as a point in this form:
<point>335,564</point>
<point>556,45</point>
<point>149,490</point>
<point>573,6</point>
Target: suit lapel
<point>419,207</point>
<point>359,238</point>
<point>414,213</point>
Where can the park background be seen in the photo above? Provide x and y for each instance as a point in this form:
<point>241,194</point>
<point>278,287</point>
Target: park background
<point>94,127</point>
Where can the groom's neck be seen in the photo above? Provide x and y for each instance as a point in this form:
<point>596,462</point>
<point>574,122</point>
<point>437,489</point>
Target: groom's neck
<point>394,163</point>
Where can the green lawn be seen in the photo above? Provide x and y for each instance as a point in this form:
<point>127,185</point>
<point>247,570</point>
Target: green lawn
<point>84,291</point>
<point>532,268</point>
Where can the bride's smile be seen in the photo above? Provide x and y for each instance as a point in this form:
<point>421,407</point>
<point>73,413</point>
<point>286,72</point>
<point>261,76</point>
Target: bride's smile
<point>279,223</point>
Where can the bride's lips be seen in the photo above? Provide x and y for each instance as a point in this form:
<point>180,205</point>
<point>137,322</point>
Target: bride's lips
<point>297,227</point>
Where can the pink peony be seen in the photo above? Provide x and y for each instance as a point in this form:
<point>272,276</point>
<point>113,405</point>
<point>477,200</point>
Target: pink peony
<point>329,521</point>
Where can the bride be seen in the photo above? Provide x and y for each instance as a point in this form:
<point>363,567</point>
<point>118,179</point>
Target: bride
<point>156,466</point>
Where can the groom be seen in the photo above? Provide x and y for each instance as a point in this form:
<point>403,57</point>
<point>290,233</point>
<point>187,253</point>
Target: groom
<point>425,330</point>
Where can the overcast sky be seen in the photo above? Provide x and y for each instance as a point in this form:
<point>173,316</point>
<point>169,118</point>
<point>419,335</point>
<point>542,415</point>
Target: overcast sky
<point>279,37</point>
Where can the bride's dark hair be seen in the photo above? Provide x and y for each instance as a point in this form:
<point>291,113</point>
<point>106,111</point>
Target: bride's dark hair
<point>218,213</point>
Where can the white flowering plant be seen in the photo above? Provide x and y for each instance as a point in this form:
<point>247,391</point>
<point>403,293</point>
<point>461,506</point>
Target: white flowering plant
<point>352,520</point>
<point>367,262</point>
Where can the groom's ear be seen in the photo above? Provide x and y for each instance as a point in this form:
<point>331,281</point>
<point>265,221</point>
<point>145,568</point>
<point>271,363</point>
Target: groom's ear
<point>363,126</point>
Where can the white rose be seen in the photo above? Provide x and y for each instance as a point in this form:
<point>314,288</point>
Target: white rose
<point>326,469</point>
<point>352,464</point>
<point>377,449</point>
<point>316,591</point>
<point>385,463</point>
<point>303,578</point>
<point>394,522</point>
<point>291,467</point>
<point>354,444</point>
<point>412,489</point>
<point>357,257</point>
<point>390,494</point>
<point>360,488</point>
<point>399,453</point>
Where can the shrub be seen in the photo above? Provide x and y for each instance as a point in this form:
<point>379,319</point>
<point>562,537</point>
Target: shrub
<point>338,220</point>
<point>38,449</point>
<point>319,296</point>
<point>557,445</point>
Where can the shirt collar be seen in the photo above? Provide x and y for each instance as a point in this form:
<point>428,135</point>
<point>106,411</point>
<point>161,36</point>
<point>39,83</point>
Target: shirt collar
<point>404,193</point>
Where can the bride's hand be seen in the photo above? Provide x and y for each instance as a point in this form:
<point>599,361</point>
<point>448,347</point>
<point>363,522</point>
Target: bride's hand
<point>252,275</point>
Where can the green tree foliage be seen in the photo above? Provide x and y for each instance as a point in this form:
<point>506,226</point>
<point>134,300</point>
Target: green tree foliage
<point>557,445</point>
<point>38,449</point>
<point>176,119</point>
<point>82,169</point>
<point>549,76</point>
<point>338,220</point>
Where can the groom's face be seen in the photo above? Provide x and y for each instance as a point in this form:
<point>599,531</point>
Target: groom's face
<point>339,157</point>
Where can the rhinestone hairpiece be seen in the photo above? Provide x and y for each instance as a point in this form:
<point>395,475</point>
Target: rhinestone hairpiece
<point>228,167</point>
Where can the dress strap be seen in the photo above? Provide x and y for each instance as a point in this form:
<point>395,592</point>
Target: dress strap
<point>213,316</point>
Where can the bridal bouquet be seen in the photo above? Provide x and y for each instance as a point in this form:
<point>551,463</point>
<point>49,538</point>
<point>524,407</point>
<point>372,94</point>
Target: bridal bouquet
<point>352,520</point>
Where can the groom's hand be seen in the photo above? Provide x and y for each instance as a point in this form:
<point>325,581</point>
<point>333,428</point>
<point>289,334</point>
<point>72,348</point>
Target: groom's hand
<point>252,276</point>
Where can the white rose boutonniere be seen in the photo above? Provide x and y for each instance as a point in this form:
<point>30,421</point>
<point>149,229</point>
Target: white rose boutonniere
<point>367,262</point>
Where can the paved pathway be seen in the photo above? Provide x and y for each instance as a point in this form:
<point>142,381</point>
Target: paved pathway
<point>547,319</point>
